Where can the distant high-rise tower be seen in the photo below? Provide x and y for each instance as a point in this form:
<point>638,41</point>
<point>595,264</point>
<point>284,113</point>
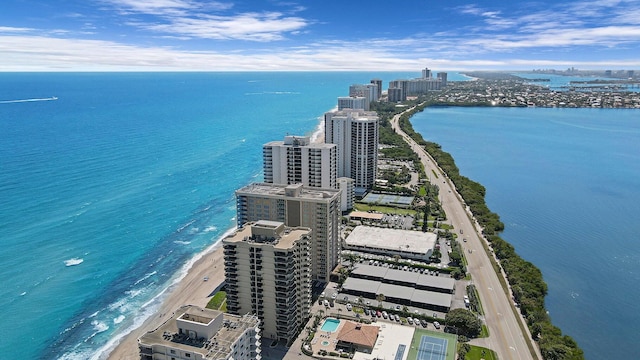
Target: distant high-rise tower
<point>267,272</point>
<point>368,91</point>
<point>296,205</point>
<point>378,83</point>
<point>298,160</point>
<point>426,73</point>
<point>355,133</point>
<point>352,102</point>
<point>443,78</point>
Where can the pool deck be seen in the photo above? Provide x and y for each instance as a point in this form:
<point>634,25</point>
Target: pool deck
<point>329,336</point>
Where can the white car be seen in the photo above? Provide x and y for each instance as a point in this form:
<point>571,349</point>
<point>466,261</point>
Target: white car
<point>349,307</point>
<point>334,296</point>
<point>436,324</point>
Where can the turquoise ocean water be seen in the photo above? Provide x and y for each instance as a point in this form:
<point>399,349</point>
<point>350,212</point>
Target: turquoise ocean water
<point>108,192</point>
<point>566,183</point>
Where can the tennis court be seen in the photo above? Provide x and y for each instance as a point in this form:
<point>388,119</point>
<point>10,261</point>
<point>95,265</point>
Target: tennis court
<point>432,345</point>
<point>389,200</point>
<point>431,348</point>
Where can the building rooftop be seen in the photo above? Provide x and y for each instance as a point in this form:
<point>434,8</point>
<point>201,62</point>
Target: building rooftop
<point>291,140</point>
<point>384,274</point>
<point>216,347</point>
<point>283,190</point>
<point>392,239</point>
<point>359,334</point>
<point>366,215</point>
<point>266,232</point>
<point>397,291</point>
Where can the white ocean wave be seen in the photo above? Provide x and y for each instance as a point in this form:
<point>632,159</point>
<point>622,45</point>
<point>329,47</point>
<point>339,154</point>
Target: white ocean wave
<point>119,319</point>
<point>210,229</point>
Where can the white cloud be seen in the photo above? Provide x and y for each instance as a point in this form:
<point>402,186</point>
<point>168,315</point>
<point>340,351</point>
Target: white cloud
<point>9,29</point>
<point>165,7</point>
<point>34,53</point>
<point>247,26</point>
<point>209,20</point>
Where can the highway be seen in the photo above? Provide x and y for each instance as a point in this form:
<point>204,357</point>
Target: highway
<point>506,337</point>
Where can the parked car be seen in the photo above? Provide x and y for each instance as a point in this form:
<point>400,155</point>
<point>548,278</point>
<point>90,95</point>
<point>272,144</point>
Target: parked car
<point>410,320</point>
<point>349,307</point>
<point>436,324</point>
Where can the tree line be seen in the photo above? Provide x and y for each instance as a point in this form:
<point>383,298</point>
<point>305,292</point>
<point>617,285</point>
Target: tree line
<point>527,285</point>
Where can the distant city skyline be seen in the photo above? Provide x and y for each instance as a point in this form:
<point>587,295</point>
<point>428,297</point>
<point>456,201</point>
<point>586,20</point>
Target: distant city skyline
<point>198,35</point>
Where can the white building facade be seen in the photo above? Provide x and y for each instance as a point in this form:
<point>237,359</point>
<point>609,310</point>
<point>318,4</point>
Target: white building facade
<point>297,160</point>
<point>355,132</point>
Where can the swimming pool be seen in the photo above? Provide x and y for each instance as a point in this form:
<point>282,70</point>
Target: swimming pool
<point>330,325</point>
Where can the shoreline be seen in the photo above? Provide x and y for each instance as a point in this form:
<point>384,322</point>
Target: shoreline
<point>189,289</point>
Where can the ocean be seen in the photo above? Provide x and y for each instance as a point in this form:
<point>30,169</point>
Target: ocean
<point>111,184</point>
<point>566,184</point>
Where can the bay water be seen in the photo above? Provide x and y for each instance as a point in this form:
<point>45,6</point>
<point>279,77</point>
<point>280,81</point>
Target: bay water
<point>566,183</point>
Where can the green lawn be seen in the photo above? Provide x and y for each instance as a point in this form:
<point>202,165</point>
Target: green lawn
<point>384,209</point>
<point>476,354</point>
<point>218,301</point>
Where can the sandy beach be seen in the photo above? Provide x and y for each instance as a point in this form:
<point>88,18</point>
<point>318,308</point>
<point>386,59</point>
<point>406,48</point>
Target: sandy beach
<point>192,289</point>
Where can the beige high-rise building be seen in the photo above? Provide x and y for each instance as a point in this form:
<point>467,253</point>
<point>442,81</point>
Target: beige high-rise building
<point>268,274</point>
<point>193,333</point>
<point>298,160</point>
<point>297,205</point>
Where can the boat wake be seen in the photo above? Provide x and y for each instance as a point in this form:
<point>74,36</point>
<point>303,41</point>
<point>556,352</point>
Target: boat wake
<point>28,100</point>
<point>73,262</point>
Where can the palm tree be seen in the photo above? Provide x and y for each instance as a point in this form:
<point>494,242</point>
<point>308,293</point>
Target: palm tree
<point>380,298</point>
<point>352,258</point>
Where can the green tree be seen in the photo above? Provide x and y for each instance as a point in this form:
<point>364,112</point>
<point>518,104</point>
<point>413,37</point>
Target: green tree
<point>463,350</point>
<point>455,257</point>
<point>352,258</point>
<point>380,298</point>
<point>425,219</point>
<point>465,321</point>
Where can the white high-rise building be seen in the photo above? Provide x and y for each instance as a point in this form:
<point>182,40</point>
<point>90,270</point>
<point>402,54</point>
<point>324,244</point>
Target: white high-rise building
<point>368,91</point>
<point>267,272</point>
<point>297,205</point>
<point>297,160</point>
<point>352,102</point>
<point>347,193</point>
<point>355,132</point>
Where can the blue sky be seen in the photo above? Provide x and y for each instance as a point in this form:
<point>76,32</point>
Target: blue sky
<point>158,35</point>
